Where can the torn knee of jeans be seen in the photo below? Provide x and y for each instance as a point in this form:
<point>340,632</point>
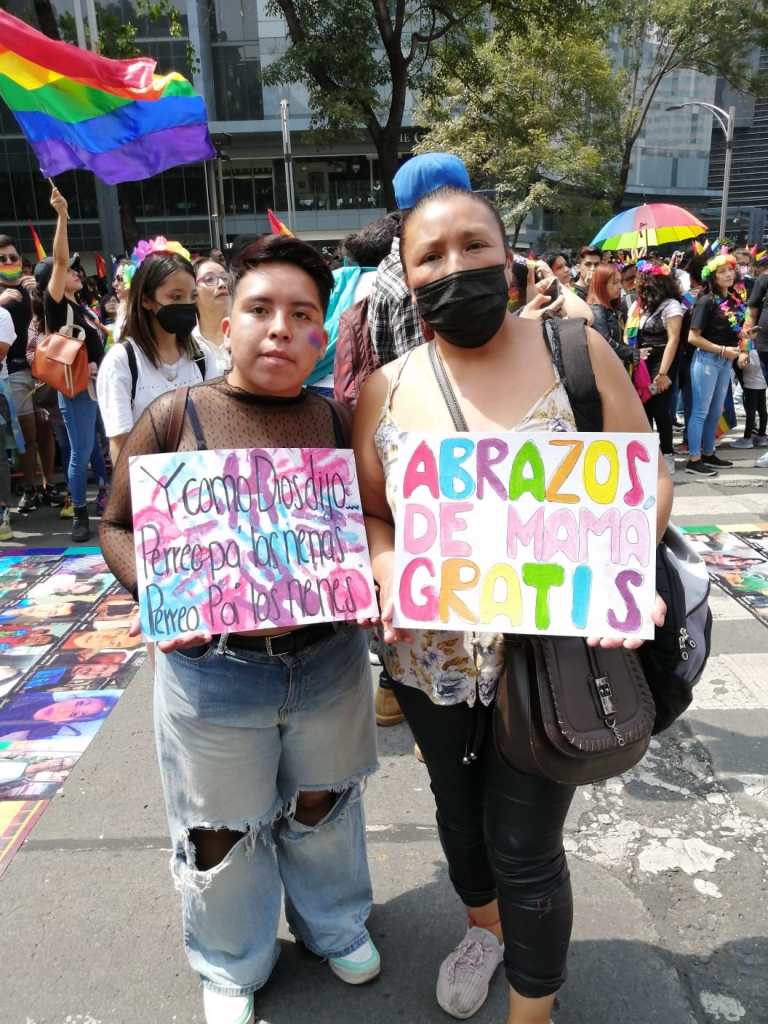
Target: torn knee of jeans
<point>342,797</point>
<point>205,850</point>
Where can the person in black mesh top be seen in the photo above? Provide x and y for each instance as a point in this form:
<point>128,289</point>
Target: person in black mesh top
<point>263,744</point>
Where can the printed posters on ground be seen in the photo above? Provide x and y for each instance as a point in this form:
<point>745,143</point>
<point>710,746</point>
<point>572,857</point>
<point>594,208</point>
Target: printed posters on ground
<point>527,533</point>
<point>237,540</point>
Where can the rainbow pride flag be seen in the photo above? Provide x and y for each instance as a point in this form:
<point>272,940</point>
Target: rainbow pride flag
<point>79,110</point>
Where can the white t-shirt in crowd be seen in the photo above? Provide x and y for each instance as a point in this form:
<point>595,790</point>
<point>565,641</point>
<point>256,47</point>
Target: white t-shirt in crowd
<point>668,309</point>
<point>113,384</point>
<point>7,336</point>
<point>220,357</point>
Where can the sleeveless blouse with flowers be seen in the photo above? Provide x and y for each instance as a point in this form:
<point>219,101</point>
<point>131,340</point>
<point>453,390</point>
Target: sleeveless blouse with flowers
<point>452,667</point>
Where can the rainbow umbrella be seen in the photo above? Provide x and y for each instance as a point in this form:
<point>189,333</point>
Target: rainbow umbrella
<point>648,225</point>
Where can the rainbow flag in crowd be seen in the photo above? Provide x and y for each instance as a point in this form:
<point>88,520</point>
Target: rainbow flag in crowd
<point>40,252</point>
<point>116,118</point>
<point>277,227</point>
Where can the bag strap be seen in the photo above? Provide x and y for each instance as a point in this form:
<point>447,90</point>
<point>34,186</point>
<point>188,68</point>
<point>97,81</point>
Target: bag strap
<point>175,425</point>
<point>198,358</point>
<point>446,389</point>
<point>197,426</point>
<point>569,347</point>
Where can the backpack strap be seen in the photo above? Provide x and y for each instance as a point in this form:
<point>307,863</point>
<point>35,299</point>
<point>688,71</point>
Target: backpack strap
<point>175,425</point>
<point>569,348</point>
<point>133,366</point>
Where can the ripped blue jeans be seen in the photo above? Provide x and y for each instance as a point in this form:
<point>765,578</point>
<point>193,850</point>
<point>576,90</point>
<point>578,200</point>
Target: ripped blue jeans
<point>239,735</point>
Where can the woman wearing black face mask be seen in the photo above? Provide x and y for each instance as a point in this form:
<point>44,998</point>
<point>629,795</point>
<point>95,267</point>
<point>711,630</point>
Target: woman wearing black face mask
<point>60,283</point>
<point>501,830</point>
<point>158,352</point>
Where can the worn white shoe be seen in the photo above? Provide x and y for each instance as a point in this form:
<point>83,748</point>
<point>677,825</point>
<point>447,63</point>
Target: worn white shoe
<point>465,974</point>
<point>363,965</point>
<point>223,1009</point>
<point>670,464</point>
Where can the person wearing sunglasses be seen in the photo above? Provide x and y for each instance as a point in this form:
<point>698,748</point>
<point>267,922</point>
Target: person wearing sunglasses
<point>214,302</point>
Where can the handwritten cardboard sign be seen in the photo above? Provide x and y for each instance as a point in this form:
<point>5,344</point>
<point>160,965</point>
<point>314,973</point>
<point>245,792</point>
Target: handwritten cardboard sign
<point>527,533</point>
<point>236,540</point>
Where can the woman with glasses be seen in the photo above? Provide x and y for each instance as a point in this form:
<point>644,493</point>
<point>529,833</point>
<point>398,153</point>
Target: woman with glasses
<point>158,351</point>
<point>214,301</point>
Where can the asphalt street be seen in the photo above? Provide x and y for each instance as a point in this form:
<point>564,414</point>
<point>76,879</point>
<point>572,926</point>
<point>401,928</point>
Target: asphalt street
<point>669,864</point>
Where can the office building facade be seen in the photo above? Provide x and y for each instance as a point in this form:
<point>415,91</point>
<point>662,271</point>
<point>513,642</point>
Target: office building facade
<point>336,187</point>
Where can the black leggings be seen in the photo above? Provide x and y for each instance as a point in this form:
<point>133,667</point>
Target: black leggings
<point>502,835</point>
<point>659,411</point>
<point>755,409</point>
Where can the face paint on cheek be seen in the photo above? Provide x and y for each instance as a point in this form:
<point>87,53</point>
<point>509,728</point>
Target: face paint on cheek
<point>316,340</point>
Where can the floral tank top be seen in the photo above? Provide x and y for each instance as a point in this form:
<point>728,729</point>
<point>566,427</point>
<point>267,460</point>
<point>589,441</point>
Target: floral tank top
<point>452,667</point>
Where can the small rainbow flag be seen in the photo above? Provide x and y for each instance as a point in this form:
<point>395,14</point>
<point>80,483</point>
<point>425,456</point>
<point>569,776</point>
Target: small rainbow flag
<point>40,252</point>
<point>277,227</point>
<point>116,118</point>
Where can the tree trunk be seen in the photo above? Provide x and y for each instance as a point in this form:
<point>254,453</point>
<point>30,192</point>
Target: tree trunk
<point>386,149</point>
<point>621,184</point>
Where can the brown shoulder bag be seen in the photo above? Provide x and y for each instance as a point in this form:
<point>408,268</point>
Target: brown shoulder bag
<point>61,359</point>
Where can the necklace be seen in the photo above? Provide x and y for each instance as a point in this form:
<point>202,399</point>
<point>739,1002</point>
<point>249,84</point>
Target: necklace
<point>734,307</point>
<point>169,372</point>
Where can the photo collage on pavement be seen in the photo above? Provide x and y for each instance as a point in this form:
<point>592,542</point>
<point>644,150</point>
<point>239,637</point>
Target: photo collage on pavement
<point>737,560</point>
<point>65,658</point>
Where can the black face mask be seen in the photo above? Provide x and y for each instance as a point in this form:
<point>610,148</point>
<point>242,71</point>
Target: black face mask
<point>179,318</point>
<point>466,308</point>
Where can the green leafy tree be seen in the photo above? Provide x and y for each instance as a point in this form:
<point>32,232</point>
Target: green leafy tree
<point>659,37</point>
<point>359,59</point>
<point>538,122</point>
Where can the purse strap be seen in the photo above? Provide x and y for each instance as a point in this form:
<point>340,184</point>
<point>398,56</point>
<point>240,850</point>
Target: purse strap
<point>446,389</point>
<point>175,426</point>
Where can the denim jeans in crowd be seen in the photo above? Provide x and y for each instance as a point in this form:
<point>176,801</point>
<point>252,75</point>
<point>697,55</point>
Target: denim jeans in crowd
<point>239,734</point>
<point>710,377</point>
<point>79,414</point>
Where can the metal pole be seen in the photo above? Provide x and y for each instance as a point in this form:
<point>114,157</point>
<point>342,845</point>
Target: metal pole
<point>79,24</point>
<point>220,183</point>
<point>93,25</point>
<point>212,203</point>
<point>727,169</point>
<point>288,160</point>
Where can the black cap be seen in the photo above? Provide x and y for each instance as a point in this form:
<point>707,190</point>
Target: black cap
<point>44,269</point>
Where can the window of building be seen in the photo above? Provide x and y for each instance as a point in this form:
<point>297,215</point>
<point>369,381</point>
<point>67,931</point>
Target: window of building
<point>248,188</point>
<point>329,183</point>
<point>237,82</point>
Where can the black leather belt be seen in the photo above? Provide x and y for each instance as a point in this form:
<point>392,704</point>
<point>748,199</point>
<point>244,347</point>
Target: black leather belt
<point>284,643</point>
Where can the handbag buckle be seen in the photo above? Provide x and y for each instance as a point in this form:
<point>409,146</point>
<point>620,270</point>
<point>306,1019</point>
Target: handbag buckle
<point>605,696</point>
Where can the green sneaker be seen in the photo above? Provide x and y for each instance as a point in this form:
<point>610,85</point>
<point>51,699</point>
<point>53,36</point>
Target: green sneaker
<point>361,965</point>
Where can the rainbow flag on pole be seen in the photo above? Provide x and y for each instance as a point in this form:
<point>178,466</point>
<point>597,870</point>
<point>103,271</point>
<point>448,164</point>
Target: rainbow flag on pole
<point>116,118</point>
<point>40,252</point>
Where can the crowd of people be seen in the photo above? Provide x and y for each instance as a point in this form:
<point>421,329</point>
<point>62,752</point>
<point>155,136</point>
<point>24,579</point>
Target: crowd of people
<point>266,738</point>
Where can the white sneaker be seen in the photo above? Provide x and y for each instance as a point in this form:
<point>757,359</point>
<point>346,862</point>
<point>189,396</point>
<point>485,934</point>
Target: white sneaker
<point>670,463</point>
<point>762,462</point>
<point>223,1009</point>
<point>363,964</point>
<point>465,974</point>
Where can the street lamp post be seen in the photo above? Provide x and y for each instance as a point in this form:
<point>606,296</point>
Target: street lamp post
<point>727,121</point>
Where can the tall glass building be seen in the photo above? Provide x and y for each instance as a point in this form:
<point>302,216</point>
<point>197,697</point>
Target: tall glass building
<point>336,187</point>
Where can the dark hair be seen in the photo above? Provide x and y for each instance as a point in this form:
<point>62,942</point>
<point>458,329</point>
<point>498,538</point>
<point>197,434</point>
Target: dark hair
<point>371,244</point>
<point>553,257</point>
<point>694,266</point>
<point>282,249</point>
<point>589,250</point>
<point>200,260</point>
<point>138,325</point>
<point>653,289</point>
<point>5,241</point>
<point>598,286</point>
<point>448,192</point>
<point>628,266</point>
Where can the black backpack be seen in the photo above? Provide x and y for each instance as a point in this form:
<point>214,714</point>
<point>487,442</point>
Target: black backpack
<point>674,660</point>
<point>198,359</point>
